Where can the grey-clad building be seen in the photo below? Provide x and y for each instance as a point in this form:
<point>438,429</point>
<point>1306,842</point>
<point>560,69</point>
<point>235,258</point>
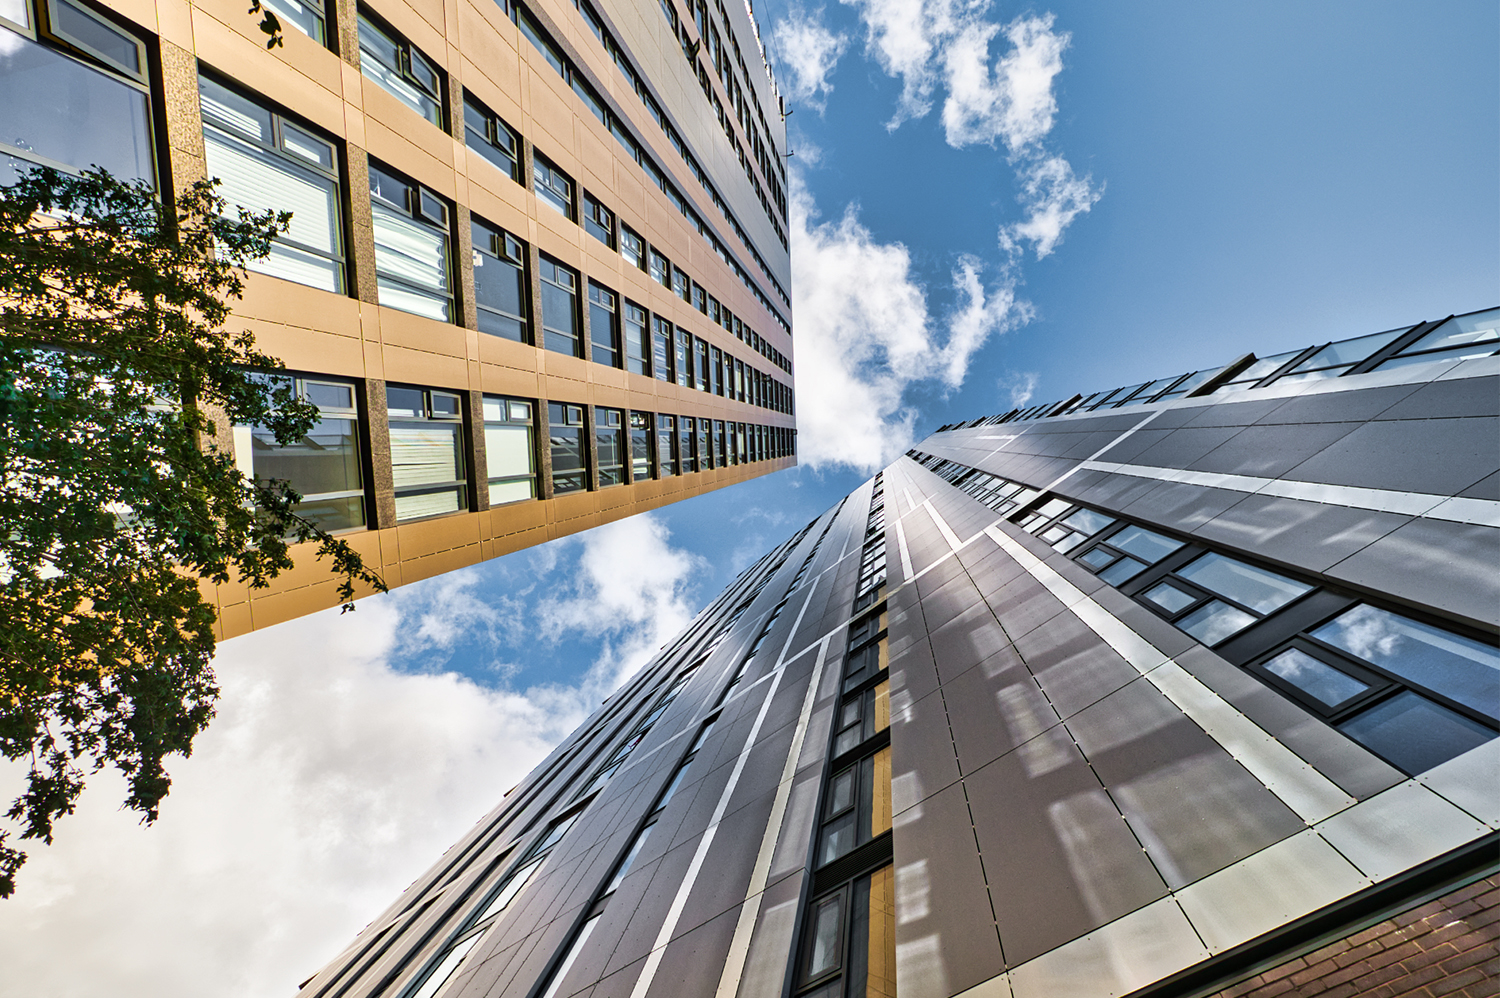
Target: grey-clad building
<point>1185,688</point>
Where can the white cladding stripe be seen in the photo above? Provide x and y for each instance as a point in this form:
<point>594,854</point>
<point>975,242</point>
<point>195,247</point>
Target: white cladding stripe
<point>1434,507</point>
<point>739,946</point>
<point>906,572</point>
<point>674,913</point>
<point>1297,783</point>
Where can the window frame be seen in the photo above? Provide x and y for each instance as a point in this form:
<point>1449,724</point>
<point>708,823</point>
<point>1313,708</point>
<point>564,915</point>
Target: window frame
<point>408,57</point>
<point>430,414</point>
<point>550,272</point>
<point>610,308</point>
<point>516,255</point>
<point>618,430</point>
<point>416,208</point>
<point>532,477</point>
<point>584,456</point>
<point>599,221</point>
<point>494,127</point>
<point>544,174</point>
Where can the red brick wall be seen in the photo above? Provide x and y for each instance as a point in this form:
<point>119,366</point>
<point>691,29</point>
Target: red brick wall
<point>1447,947</point>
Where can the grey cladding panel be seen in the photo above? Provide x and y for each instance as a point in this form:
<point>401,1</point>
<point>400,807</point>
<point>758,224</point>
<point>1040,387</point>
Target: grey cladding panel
<point>1438,456</point>
<point>993,708</point>
<point>1193,807</point>
<point>968,640</point>
<point>1074,667</point>
<point>1060,859</point>
<point>693,962</point>
<point>922,761</point>
<point>1176,449</point>
<point>1487,488</point>
<point>1461,397</point>
<point>1181,507</point>
<point>1338,407</point>
<point>1448,566</point>
<point>1309,535</point>
<point>1269,451</point>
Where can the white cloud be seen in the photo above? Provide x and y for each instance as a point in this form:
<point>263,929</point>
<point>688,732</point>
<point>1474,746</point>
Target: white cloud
<point>1015,103</point>
<point>808,52</point>
<point>865,336</point>
<point>1020,386</point>
<point>329,781</point>
<point>1053,195</point>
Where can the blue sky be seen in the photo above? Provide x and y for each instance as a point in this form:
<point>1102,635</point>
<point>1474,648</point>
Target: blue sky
<point>1255,177</point>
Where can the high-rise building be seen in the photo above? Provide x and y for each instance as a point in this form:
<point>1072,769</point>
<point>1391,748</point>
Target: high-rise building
<point>536,276</point>
<point>1185,688</point>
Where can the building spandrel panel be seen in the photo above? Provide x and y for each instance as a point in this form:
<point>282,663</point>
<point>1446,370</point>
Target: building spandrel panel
<point>969,731</point>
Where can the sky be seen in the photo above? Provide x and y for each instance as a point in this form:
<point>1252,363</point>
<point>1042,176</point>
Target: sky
<point>991,202</point>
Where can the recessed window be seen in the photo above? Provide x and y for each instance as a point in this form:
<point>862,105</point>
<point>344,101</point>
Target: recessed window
<point>683,358</point>
<point>1414,733</point>
<point>609,445</point>
<point>412,271</point>
<point>598,221</point>
<point>569,448</point>
<point>666,446</point>
<point>400,69</point>
<point>661,349</point>
<point>491,138</point>
<point>552,185</point>
<point>500,292</point>
<point>324,465</point>
<point>1460,338</point>
<point>307,16</point>
<point>687,435</point>
<point>68,113</point>
<point>681,284</point>
<point>637,340</point>
<point>641,436</point>
<point>632,247</point>
<point>660,269</point>
<point>560,308</point>
<point>604,326</point>
<point>427,452</point>
<point>704,445</point>
<point>509,449</point>
<point>265,162</point>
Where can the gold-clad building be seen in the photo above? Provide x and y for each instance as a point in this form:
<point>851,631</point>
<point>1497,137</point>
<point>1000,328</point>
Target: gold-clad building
<point>537,276</point>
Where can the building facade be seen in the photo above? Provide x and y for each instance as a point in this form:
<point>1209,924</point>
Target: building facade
<point>1188,688</point>
<point>536,276</point>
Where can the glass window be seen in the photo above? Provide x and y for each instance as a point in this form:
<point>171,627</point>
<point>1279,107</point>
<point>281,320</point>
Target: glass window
<point>688,438</point>
<point>629,860</point>
<point>427,452</point>
<point>666,446</point>
<point>683,358</point>
<point>1215,621</point>
<point>1146,545</point>
<point>569,454</point>
<point>1336,358</point>
<point>681,284</point>
<point>538,38</point>
<point>661,349</point>
<point>598,221</point>
<point>1325,683</point>
<point>825,951</point>
<point>304,15</point>
<point>1452,665</point>
<point>661,269</point>
<point>411,246</point>
<point>500,292</point>
<point>509,449</point>
<point>1474,335</point>
<point>560,308</point>
<point>700,298</point>
<point>721,450</point>
<point>1251,587</point>
<point>609,445</point>
<point>491,138</point>
<point>552,185</point>
<point>705,451</point>
<point>324,466</point>
<point>604,326</point>
<point>60,112</point>
<point>401,70</point>
<point>716,371</point>
<point>640,446</point>
<point>265,162</point>
<point>637,348</point>
<point>632,248</point>
<point>1414,733</point>
<point>701,349</point>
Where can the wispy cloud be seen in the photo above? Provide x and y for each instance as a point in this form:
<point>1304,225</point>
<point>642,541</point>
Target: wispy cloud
<point>1018,386</point>
<point>807,53</point>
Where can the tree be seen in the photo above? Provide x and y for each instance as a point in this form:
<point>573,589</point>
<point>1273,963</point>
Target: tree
<point>113,501</point>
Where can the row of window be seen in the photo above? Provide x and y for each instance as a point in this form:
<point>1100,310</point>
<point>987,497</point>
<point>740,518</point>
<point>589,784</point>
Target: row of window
<point>1415,692</point>
<point>538,36</point>
<point>1459,337</point>
<point>429,453</point>
<point>848,942</point>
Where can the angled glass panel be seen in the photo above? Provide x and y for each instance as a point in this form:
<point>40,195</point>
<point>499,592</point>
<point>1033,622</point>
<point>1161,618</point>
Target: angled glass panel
<point>1122,571</point>
<point>1457,667</point>
<point>1260,590</point>
<point>1315,677</point>
<point>1348,351</point>
<point>1215,621</point>
<point>1461,331</point>
<point>1414,733</point>
<point>1146,545</point>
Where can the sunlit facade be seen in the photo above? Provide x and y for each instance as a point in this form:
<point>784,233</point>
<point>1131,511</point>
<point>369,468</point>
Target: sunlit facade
<point>537,272</point>
<point>1190,693</point>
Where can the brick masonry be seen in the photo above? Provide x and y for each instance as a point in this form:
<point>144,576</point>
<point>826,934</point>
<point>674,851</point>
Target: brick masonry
<point>1446,947</point>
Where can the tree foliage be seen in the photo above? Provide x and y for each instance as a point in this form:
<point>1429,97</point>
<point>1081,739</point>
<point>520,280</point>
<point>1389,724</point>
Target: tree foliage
<point>113,502</point>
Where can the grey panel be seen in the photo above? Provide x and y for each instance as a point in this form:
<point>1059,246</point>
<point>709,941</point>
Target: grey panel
<point>1127,450</point>
<point>1060,859</point>
<point>1148,625</point>
<point>549,940</point>
<point>1181,507</point>
<point>1310,535</point>
<point>1073,664</point>
<point>1233,413</point>
<point>1448,566</point>
<point>949,602</point>
<point>1270,451</point>
<point>693,961</point>
<point>1021,607</point>
<point>1339,407</point>
<point>620,983</point>
<point>967,641</point>
<point>1341,759</point>
<point>1193,807</point>
<point>1442,456</point>
<point>922,761</point>
<point>1113,492</point>
<point>945,910</point>
<point>1177,449</point>
<point>1486,488</point>
<point>913,673</point>
<point>993,708</point>
<point>1462,397</point>
<point>943,575</point>
<point>651,913</point>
